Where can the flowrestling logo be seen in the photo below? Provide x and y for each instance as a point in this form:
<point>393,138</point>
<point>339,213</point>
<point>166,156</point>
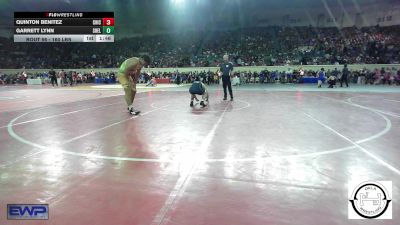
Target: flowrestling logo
<point>370,200</point>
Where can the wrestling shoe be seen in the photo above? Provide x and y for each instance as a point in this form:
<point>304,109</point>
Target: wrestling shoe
<point>134,112</point>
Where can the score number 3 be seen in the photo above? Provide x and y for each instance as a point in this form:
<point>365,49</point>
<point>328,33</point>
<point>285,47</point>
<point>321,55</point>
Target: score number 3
<point>108,21</point>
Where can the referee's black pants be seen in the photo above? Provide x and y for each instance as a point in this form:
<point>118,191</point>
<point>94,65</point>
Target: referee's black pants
<point>345,80</point>
<point>226,82</point>
<point>54,81</point>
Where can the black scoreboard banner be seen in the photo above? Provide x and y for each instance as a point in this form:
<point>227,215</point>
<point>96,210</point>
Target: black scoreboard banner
<point>58,30</point>
<point>63,14</point>
<point>63,26</point>
<point>60,22</point>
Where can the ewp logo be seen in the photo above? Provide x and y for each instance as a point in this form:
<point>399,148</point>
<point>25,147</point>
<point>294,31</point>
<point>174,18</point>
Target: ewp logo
<point>28,212</point>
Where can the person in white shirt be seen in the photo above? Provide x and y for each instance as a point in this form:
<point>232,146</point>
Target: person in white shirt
<point>61,76</point>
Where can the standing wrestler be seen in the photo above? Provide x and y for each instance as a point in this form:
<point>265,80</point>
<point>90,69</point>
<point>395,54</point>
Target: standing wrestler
<point>128,75</point>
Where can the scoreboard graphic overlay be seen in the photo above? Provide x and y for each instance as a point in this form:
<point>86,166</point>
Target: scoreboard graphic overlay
<point>63,26</point>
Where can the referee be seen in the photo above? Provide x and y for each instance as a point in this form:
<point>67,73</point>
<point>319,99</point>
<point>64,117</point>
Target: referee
<point>53,77</point>
<point>345,76</point>
<point>226,69</point>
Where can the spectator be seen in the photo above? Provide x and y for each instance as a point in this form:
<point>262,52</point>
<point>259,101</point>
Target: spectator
<point>321,77</point>
<point>152,82</point>
<point>397,79</point>
<point>2,78</point>
<point>332,80</point>
<point>61,76</point>
<point>361,78</point>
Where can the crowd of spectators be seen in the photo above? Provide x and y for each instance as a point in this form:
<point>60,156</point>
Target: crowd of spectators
<point>388,75</point>
<point>64,78</point>
<point>248,47</point>
<point>364,76</point>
